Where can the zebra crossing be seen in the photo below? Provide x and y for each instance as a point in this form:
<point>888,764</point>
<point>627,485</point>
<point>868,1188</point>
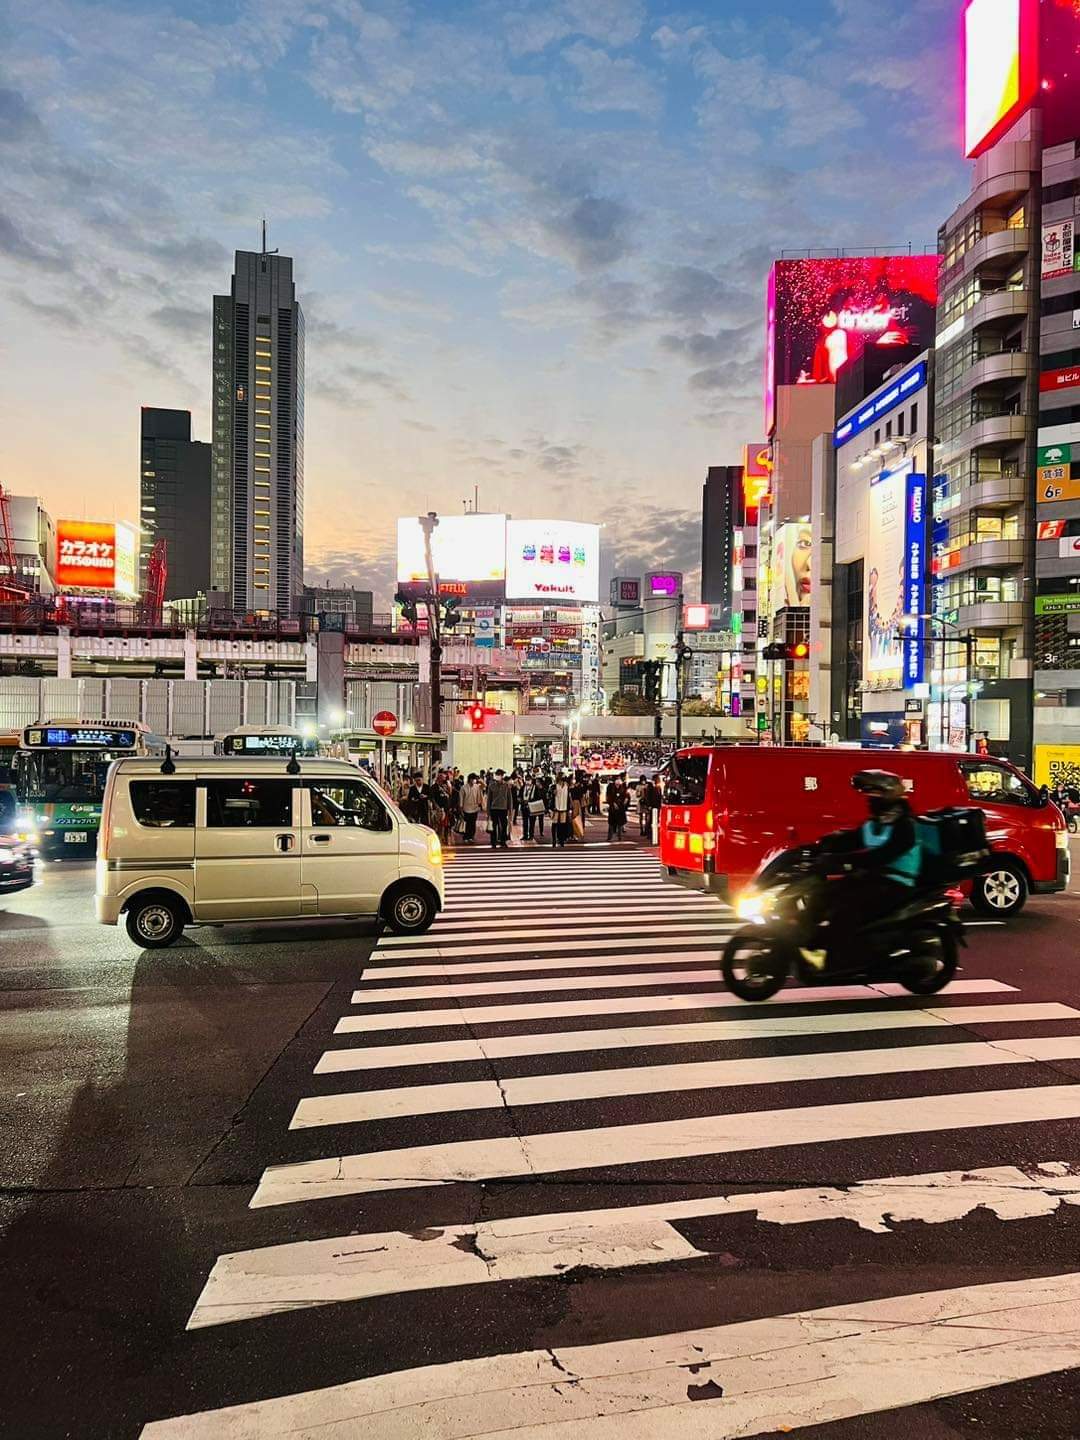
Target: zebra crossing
<point>552,1087</point>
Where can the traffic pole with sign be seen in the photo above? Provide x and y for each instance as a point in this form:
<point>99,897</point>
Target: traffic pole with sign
<point>384,723</point>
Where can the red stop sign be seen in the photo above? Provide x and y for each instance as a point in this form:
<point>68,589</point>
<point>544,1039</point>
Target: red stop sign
<point>384,723</point>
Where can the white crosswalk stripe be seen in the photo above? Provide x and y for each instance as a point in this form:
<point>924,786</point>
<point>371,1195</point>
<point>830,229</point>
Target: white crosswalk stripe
<point>531,944</point>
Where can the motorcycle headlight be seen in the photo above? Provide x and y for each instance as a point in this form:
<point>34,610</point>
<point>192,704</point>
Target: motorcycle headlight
<point>755,906</point>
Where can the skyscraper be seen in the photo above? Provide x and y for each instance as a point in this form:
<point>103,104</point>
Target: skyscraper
<point>174,501</point>
<point>257,520</point>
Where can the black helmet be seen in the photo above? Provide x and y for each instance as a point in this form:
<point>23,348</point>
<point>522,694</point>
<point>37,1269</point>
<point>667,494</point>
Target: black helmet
<point>881,783</point>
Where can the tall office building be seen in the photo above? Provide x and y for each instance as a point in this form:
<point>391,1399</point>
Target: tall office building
<point>174,501</point>
<point>1007,389</point>
<point>257,520</point>
<point>720,497</point>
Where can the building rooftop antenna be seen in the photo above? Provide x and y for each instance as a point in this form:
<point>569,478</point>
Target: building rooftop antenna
<point>265,251</point>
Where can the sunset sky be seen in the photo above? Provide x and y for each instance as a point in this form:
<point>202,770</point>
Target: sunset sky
<point>530,240</point>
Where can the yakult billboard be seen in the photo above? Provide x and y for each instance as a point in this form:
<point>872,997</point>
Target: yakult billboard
<point>559,559</point>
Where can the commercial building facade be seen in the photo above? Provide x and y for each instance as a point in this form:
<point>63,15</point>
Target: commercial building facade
<point>257,518</point>
<point>174,501</point>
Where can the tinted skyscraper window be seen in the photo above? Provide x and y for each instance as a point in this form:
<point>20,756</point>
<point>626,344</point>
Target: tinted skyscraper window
<point>257,541</point>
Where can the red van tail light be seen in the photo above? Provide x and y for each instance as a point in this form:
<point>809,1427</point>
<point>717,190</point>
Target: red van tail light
<point>710,819</point>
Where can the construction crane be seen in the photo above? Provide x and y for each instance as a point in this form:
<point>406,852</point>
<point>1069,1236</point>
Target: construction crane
<point>10,591</point>
<point>157,572</point>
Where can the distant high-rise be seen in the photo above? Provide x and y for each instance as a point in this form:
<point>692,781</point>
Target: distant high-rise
<point>174,501</point>
<point>720,498</point>
<point>257,519</point>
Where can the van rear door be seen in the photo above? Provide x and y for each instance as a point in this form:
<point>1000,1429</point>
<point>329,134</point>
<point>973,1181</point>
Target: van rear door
<point>247,851</point>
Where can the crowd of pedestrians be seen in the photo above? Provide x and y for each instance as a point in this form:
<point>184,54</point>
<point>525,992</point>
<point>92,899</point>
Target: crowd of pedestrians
<point>546,805</point>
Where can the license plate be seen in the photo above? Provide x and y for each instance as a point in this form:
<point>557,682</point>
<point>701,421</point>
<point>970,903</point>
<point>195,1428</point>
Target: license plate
<point>75,837</point>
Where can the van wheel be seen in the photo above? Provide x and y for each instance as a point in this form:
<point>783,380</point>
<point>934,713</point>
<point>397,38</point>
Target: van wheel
<point>409,909</point>
<point>1001,891</point>
<point>154,921</point>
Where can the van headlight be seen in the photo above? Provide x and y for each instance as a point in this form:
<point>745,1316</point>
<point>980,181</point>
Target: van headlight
<point>755,906</point>
<point>434,849</point>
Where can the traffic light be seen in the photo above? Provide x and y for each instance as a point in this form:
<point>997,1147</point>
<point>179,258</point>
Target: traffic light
<point>408,607</point>
<point>650,670</point>
<point>451,613</point>
<point>797,650</point>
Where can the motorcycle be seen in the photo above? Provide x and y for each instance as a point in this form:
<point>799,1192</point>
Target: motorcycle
<point>917,945</point>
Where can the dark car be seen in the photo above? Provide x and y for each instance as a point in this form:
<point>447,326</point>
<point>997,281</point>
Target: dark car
<point>16,865</point>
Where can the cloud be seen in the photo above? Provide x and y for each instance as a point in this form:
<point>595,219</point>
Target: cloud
<point>609,83</point>
<point>191,324</point>
<point>593,231</point>
<point>654,537</point>
<point>16,245</point>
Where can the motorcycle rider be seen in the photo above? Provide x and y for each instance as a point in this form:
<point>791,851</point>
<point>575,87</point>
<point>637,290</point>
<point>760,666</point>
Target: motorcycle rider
<point>886,856</point>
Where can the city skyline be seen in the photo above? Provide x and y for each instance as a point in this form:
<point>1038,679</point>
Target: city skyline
<point>522,267</point>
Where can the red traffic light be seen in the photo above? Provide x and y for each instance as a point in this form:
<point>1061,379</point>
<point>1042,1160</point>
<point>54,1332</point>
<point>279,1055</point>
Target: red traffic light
<point>800,650</point>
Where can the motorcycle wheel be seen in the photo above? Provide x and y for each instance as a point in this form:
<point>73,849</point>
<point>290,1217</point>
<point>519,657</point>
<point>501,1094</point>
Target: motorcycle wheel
<point>945,954</point>
<point>754,966</point>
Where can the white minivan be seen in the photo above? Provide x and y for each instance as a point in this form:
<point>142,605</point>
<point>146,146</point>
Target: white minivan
<point>210,841</point>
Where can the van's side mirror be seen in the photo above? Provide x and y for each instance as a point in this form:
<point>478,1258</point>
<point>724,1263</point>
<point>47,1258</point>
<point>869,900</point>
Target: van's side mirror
<point>1044,794</point>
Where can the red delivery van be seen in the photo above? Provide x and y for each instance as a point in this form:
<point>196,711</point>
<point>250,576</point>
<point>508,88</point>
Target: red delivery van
<point>728,808</point>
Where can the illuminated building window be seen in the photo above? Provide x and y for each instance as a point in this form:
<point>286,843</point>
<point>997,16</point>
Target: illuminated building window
<point>265,368</point>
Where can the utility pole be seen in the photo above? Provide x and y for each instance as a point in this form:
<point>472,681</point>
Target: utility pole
<point>681,652</point>
<point>428,523</point>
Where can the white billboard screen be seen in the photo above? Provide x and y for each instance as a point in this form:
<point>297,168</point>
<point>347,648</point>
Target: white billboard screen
<point>469,552</point>
<point>883,641</point>
<point>556,559</point>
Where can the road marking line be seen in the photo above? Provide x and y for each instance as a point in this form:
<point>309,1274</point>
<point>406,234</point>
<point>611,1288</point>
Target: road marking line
<point>604,1147</point>
<point>559,962</point>
<point>494,930</point>
<point>630,1005</point>
<point>491,944</point>
<point>392,994</point>
<point>303,1274</point>
<point>809,1367</point>
<point>773,1026</point>
<point>360,1106</point>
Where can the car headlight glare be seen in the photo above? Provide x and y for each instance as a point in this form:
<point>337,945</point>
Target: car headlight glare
<point>434,850</point>
<point>754,906</point>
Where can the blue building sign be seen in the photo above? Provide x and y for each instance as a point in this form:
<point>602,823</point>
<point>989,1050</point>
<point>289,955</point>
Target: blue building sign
<point>897,394</point>
<point>914,579</point>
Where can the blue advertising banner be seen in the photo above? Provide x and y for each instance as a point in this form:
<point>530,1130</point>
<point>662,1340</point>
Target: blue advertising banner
<point>914,579</point>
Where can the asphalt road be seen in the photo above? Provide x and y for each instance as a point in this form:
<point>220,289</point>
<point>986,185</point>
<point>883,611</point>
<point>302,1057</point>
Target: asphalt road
<point>561,1216</point>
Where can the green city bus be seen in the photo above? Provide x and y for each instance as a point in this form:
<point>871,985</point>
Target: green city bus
<point>60,771</point>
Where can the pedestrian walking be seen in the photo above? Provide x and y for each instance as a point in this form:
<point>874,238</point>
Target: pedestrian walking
<point>498,808</point>
<point>533,807</point>
<point>472,803</point>
<point>560,813</point>
<point>594,795</point>
<point>416,801</point>
<point>618,803</point>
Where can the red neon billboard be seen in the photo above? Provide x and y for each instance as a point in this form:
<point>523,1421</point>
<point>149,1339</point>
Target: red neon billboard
<point>822,313</point>
<point>1000,48</point>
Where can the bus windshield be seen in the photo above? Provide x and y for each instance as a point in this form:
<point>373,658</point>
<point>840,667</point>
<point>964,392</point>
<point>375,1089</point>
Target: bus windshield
<point>62,775</point>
